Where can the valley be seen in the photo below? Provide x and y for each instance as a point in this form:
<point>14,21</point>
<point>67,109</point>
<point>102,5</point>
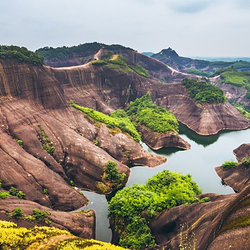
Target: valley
<point>85,122</point>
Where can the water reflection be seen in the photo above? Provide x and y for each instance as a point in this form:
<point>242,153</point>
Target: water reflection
<point>199,139</point>
<point>206,153</point>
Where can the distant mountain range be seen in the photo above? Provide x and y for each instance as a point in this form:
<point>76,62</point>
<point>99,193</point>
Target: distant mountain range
<point>203,66</point>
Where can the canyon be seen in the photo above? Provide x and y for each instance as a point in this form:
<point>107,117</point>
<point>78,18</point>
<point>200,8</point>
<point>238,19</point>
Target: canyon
<point>65,151</point>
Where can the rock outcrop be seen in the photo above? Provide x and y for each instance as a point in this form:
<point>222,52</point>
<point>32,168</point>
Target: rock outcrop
<point>81,224</point>
<point>222,223</point>
<point>237,177</point>
<point>58,148</point>
<point>157,141</point>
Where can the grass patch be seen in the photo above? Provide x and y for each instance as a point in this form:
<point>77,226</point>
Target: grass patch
<point>229,164</point>
<point>119,62</point>
<point>133,207</point>
<point>143,111</point>
<point>198,72</point>
<point>242,110</point>
<point>203,92</point>
<point>236,78</point>
<point>116,119</point>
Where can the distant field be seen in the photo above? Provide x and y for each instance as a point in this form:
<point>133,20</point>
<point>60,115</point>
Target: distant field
<point>236,78</point>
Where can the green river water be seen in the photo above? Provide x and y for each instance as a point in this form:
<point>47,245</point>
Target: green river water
<point>206,153</point>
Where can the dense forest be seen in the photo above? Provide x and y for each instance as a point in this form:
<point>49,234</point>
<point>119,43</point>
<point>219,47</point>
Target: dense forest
<point>204,92</point>
<point>61,53</point>
<point>133,207</point>
<point>144,112</point>
<point>22,54</point>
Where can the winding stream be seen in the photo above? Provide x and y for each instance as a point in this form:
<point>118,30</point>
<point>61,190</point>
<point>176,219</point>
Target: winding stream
<point>206,153</point>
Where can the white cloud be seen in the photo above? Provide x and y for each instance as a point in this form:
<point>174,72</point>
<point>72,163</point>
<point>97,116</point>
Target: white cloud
<point>192,27</point>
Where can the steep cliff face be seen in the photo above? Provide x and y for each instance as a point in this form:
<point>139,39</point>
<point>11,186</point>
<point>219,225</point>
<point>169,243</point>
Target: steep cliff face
<point>58,141</point>
<point>115,89</point>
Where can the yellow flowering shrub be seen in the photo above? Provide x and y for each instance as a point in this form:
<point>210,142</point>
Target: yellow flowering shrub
<point>15,238</point>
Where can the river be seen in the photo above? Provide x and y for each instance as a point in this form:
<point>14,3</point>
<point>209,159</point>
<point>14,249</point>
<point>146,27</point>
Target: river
<point>206,153</point>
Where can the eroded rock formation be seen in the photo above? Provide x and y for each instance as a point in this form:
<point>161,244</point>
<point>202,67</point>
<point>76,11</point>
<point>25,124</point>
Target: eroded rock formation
<point>237,177</point>
<point>219,224</point>
<point>81,224</point>
<point>157,141</point>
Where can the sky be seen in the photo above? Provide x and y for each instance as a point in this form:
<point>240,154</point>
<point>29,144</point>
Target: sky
<point>213,28</point>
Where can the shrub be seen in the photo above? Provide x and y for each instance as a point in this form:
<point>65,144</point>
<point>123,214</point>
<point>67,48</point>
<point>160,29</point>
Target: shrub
<point>112,174</point>
<point>133,207</point>
<point>143,111</point>
<point>17,212</point>
<point>15,192</point>
<point>44,139</point>
<point>45,191</point>
<point>4,195</point>
<point>229,164</point>
<point>40,215</point>
<point>20,142</point>
<point>204,92</point>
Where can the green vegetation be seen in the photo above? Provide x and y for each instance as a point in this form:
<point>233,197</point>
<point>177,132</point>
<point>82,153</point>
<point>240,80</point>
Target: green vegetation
<point>15,192</point>
<point>21,54</point>
<point>242,110</point>
<point>96,142</point>
<point>15,238</point>
<point>236,78</point>
<point>111,177</point>
<point>20,142</point>
<point>203,92</point>
<point>40,216</point>
<point>229,164</point>
<point>143,111</point>
<point>120,63</point>
<point>4,195</point>
<point>112,121</point>
<point>198,72</point>
<point>45,191</point>
<point>246,160</point>
<point>44,139</point>
<point>139,70</point>
<point>112,174</point>
<point>17,212</point>
<point>62,53</point>
<point>133,207</point>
